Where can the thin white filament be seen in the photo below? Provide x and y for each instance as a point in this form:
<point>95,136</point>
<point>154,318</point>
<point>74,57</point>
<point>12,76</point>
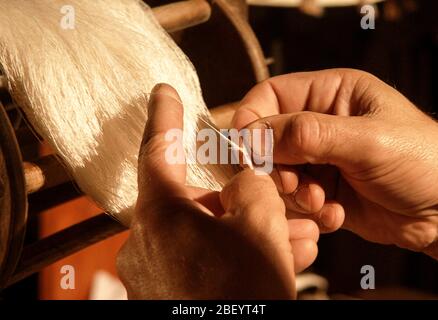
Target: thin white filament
<point>243,150</point>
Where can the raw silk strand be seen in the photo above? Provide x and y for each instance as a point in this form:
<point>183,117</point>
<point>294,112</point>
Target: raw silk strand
<point>85,89</point>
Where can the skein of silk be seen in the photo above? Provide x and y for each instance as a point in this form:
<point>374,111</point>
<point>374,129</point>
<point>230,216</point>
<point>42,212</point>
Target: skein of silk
<point>85,89</point>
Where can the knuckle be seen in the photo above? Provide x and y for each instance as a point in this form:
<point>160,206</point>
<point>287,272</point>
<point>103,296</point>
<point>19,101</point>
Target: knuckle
<point>428,237</point>
<point>419,237</point>
<point>304,132</point>
<point>264,85</point>
<point>249,193</point>
<point>262,203</point>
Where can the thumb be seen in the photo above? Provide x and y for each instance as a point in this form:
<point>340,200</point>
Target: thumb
<point>316,138</point>
<point>161,163</point>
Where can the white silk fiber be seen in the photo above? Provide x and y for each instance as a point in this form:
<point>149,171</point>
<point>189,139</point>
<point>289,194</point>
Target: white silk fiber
<point>85,89</point>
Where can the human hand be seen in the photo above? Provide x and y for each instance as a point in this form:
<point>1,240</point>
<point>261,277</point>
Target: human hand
<point>361,147</point>
<point>189,243</point>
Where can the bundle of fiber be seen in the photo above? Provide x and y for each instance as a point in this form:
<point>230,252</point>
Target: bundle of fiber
<point>84,84</point>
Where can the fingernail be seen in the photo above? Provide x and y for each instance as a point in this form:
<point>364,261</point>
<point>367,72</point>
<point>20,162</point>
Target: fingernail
<point>156,88</point>
<point>303,199</point>
<point>261,143</point>
<point>163,89</point>
<point>288,179</point>
<point>153,96</point>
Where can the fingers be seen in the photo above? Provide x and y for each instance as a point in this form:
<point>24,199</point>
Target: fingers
<point>303,236</point>
<point>309,137</point>
<point>329,219</point>
<point>304,252</point>
<point>253,196</point>
<point>300,192</point>
<point>305,199</point>
<point>335,91</point>
<point>308,197</point>
<point>303,229</point>
<point>251,202</point>
<point>286,178</point>
<point>161,163</point>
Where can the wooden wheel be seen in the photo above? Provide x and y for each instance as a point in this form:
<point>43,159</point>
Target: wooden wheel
<point>13,200</point>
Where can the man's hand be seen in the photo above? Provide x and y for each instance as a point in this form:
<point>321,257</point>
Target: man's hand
<point>372,152</point>
<point>187,243</point>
